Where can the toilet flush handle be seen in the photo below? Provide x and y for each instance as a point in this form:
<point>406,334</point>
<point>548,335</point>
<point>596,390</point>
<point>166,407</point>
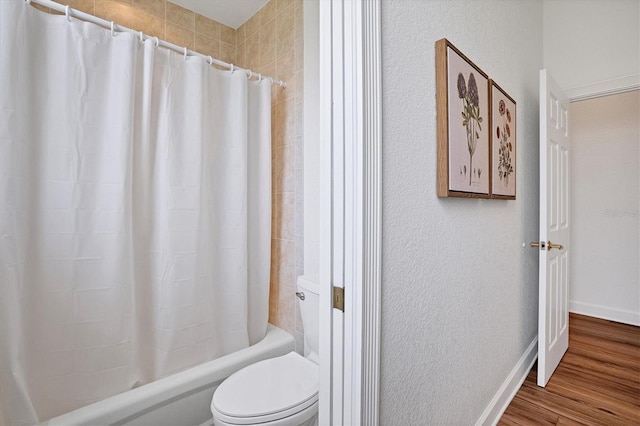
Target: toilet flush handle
<point>300,295</point>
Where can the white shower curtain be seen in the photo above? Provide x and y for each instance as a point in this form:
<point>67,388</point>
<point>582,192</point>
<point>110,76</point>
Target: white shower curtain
<point>135,207</point>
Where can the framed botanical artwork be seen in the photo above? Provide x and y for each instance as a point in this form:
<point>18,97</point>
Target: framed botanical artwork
<point>503,143</point>
<point>462,104</point>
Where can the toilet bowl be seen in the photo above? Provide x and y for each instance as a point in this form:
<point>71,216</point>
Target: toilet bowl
<point>277,391</point>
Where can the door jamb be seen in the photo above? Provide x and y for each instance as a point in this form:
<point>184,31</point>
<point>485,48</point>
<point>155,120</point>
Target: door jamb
<point>350,227</point>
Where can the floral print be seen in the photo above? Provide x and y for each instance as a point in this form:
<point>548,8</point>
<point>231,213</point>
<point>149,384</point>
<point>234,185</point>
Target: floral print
<point>471,119</point>
<point>462,86</point>
<point>473,91</point>
<point>505,167</point>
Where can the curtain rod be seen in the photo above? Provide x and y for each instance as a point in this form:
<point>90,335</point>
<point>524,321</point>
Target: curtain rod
<point>69,12</point>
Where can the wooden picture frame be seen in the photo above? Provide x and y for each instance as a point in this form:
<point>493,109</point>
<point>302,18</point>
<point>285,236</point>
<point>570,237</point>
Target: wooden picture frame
<point>462,105</point>
<point>503,143</point>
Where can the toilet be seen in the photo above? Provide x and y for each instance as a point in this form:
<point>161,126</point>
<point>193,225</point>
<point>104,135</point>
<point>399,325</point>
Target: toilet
<point>277,391</point>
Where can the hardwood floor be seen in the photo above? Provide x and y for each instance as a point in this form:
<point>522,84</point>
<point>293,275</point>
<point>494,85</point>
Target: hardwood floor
<point>596,383</point>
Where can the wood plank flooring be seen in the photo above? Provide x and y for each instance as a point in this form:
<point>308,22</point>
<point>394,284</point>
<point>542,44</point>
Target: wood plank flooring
<point>596,383</point>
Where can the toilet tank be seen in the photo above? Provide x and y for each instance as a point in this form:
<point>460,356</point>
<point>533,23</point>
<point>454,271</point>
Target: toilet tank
<point>308,284</point>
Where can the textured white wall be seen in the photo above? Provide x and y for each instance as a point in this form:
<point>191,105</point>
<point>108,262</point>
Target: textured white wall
<point>592,45</point>
<point>605,199</point>
<point>459,302</point>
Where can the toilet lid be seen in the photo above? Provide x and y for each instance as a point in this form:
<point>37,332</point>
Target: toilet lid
<point>269,390</point>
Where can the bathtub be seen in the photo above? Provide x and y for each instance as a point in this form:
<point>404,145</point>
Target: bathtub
<point>181,399</point>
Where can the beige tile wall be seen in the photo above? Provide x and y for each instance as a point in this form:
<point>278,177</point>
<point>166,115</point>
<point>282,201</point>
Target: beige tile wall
<point>271,43</point>
<point>167,21</point>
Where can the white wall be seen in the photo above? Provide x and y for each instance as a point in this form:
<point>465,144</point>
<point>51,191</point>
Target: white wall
<point>459,290</point>
<point>605,203</point>
<point>592,46</point>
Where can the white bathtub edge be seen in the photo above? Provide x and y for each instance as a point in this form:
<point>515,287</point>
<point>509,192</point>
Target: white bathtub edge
<point>119,407</point>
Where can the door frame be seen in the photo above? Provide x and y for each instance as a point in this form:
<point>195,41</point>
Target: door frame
<point>350,210</point>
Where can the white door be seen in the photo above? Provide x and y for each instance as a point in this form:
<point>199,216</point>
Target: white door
<point>554,250</point>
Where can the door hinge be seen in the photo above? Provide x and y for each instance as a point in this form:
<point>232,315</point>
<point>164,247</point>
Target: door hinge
<point>338,298</point>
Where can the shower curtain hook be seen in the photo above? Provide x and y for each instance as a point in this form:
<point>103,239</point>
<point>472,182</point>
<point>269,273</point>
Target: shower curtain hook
<point>28,2</point>
<point>210,60</point>
<point>67,11</point>
<point>259,77</point>
<point>113,29</point>
<point>156,42</point>
<point>141,37</point>
<point>232,69</point>
<point>185,53</point>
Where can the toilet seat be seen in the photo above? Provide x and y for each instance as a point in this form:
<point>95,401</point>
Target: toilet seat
<point>267,391</point>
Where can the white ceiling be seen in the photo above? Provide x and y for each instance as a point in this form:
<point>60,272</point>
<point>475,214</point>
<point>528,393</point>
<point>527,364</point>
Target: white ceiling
<point>232,13</point>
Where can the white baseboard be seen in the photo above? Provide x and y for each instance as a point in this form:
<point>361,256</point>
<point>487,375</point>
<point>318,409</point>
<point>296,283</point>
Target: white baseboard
<point>510,386</point>
<point>605,312</point>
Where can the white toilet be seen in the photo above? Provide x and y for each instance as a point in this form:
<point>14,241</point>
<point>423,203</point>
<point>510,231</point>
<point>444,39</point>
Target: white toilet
<point>277,391</point>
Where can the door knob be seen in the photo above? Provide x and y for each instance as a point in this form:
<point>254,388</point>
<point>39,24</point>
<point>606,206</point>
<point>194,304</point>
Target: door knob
<point>554,246</point>
<point>548,244</point>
